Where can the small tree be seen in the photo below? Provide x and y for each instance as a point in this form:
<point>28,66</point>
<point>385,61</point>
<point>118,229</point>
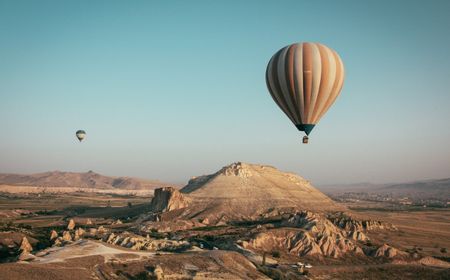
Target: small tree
<point>443,250</point>
<point>130,204</point>
<point>276,254</point>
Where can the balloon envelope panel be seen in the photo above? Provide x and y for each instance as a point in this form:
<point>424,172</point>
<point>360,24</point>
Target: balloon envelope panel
<point>304,80</point>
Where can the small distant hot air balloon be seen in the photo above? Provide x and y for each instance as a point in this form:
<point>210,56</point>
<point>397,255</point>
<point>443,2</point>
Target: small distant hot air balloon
<point>304,80</point>
<point>80,134</point>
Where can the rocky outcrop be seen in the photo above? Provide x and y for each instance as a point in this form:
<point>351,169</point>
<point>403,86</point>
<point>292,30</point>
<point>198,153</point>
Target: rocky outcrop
<point>53,235</point>
<point>238,169</point>
<point>125,239</point>
<point>301,243</point>
<point>387,251</point>
<point>66,236</point>
<point>117,222</point>
<point>306,233</point>
<point>89,222</point>
<point>26,257</point>
<point>102,229</point>
<point>25,250</point>
<point>158,272</point>
<point>316,223</point>
<point>168,199</point>
<point>357,235</point>
<point>79,233</point>
<point>171,226</point>
<point>25,245</point>
<point>71,224</point>
<point>350,224</point>
<point>137,242</point>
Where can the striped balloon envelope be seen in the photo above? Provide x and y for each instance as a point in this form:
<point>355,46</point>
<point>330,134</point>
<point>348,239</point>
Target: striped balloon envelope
<point>304,80</point>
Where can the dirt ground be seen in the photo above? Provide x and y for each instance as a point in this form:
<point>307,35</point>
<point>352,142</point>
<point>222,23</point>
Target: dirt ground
<point>427,230</point>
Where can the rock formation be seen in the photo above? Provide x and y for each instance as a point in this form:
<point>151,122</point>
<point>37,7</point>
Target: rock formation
<point>25,250</point>
<point>172,225</point>
<point>117,222</point>
<point>252,189</point>
<point>348,223</point>
<point>137,242</point>
<point>305,234</point>
<point>58,242</point>
<point>388,252</point>
<point>102,229</point>
<point>53,235</point>
<point>168,199</point>
<point>67,236</point>
<point>71,224</point>
<point>79,233</point>
<point>159,273</point>
<point>237,192</point>
<point>25,245</point>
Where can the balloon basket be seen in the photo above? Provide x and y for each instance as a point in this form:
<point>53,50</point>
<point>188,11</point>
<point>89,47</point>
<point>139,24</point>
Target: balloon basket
<point>305,140</point>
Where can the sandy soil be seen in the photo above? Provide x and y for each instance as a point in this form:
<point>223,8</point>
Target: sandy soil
<point>85,248</point>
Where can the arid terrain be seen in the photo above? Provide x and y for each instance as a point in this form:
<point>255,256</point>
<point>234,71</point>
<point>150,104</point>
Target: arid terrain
<point>245,221</point>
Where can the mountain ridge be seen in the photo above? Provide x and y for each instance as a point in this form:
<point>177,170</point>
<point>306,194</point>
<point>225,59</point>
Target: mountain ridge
<point>90,179</point>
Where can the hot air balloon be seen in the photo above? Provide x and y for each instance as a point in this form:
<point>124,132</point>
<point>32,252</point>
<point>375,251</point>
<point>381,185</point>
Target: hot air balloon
<point>80,134</point>
<point>304,80</point>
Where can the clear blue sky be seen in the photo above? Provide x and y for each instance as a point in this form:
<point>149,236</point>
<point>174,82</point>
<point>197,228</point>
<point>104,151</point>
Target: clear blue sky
<point>173,89</point>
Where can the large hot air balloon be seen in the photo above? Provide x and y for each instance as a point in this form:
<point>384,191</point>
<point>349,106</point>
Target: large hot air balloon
<point>304,80</point>
<point>80,134</point>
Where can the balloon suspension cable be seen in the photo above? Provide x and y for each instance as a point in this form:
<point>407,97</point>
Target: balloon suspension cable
<point>305,139</point>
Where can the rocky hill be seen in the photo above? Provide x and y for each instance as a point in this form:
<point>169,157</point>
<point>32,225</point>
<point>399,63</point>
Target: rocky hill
<point>252,188</point>
<point>78,180</point>
<point>242,191</point>
<point>283,212</point>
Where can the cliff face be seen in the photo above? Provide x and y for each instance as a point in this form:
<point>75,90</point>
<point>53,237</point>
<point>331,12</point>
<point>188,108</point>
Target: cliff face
<point>168,199</point>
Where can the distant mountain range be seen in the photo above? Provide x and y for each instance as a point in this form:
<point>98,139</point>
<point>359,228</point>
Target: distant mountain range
<point>79,180</point>
<point>423,189</point>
